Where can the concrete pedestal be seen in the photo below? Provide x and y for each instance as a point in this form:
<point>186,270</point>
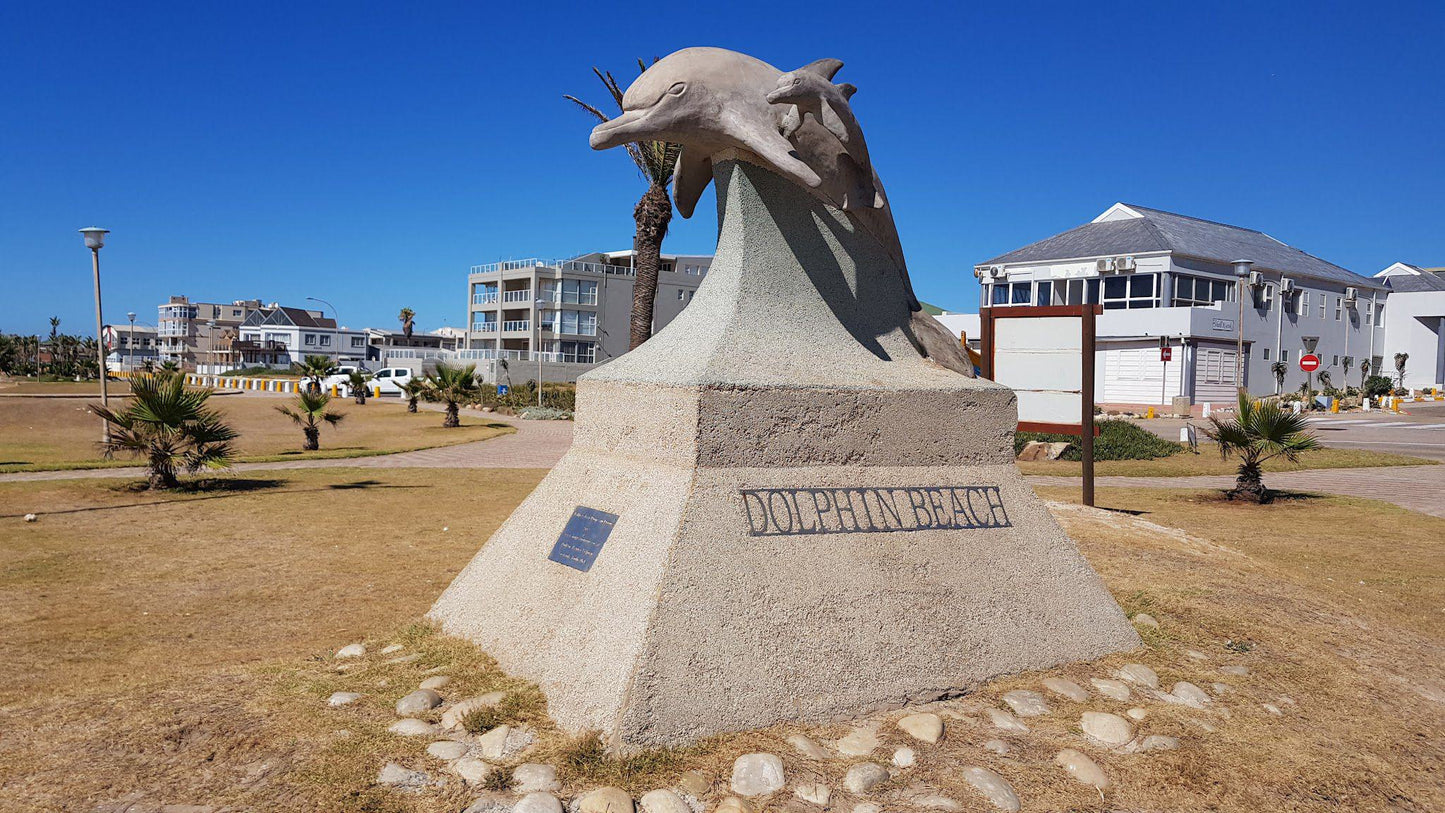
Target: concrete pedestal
<point>812,521</point>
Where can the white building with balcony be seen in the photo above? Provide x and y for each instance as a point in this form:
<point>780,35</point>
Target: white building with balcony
<point>1164,277</point>
<point>573,312</point>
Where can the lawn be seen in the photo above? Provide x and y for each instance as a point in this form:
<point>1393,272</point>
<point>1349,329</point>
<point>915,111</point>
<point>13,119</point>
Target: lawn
<point>1208,461</point>
<point>60,433</point>
<point>176,650</point>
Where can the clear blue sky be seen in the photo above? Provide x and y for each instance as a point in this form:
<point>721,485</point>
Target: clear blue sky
<point>368,153</point>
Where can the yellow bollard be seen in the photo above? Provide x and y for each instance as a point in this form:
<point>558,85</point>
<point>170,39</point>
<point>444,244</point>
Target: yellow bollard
<point>1149,413</point>
<point>334,391</point>
<point>376,392</point>
<point>1395,404</point>
<point>1335,405</point>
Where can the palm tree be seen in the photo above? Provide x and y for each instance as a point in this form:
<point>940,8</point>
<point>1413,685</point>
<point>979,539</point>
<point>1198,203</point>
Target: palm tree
<point>1324,378</point>
<point>310,414</point>
<point>170,426</point>
<point>406,317</point>
<point>1259,431</point>
<point>656,161</point>
<point>169,368</point>
<point>1364,373</point>
<point>315,369</point>
<point>356,381</point>
<point>1346,362</point>
<point>1400,359</point>
<point>54,350</point>
<point>1279,369</point>
<point>453,386</point>
<point>413,389</point>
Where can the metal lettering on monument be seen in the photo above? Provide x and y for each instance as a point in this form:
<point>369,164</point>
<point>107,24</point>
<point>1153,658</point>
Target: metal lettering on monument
<point>788,511</point>
<point>583,537</point>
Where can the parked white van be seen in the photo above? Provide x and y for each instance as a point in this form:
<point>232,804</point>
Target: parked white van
<point>391,379</point>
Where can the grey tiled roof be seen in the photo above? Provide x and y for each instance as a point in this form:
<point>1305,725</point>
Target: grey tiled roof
<point>1414,283</point>
<point>1186,236</point>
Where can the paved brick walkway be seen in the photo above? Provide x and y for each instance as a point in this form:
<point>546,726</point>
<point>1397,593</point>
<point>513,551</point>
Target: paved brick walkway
<point>540,444</point>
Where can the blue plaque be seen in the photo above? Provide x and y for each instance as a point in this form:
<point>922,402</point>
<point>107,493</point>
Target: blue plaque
<point>582,539</point>
<point>503,389</point>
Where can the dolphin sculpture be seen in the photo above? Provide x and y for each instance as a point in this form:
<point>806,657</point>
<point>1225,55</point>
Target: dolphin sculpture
<point>813,94</point>
<point>711,99</point>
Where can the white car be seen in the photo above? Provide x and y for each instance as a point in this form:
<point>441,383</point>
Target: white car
<point>390,380</point>
<point>341,378</point>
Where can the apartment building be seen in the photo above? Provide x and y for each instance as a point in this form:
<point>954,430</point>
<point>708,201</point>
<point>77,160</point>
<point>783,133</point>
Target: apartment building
<point>128,346</point>
<point>573,311</point>
<point>195,333</point>
<point>278,336</point>
<point>1417,324</point>
<point>1170,279</point>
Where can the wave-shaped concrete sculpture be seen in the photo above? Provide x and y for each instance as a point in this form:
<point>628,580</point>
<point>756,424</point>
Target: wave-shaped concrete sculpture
<point>777,508</point>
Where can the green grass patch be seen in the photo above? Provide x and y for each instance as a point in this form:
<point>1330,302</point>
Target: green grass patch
<point>1117,440</point>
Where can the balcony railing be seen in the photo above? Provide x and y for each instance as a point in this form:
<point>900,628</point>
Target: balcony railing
<point>484,299</point>
<point>560,265</point>
<point>516,325</point>
<point>484,327</point>
<point>524,295</point>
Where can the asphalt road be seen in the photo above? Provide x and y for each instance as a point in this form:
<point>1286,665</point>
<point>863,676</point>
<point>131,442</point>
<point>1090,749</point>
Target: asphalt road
<point>1419,430</point>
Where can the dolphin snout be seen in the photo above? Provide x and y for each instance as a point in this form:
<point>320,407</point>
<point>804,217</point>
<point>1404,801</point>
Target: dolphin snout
<point>617,132</point>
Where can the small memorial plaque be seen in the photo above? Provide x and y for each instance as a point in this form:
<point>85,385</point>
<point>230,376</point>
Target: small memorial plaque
<point>582,539</point>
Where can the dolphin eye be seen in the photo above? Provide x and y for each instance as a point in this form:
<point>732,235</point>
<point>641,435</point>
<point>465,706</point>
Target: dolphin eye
<point>677,89</point>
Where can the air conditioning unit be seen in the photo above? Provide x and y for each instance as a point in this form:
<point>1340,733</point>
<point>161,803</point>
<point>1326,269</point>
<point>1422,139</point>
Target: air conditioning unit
<point>1125,264</point>
<point>1351,295</point>
<point>996,272</point>
<point>1256,279</point>
<point>1106,266</point>
<point>1286,287</point>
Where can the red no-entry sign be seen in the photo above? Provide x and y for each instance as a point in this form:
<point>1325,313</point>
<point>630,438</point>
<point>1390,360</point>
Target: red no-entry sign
<point>1309,362</point>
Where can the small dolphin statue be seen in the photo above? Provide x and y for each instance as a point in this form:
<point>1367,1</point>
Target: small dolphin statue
<point>811,92</point>
<point>711,99</point>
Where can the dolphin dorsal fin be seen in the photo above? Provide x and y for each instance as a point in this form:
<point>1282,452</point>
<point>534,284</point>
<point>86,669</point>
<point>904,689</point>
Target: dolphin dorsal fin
<point>825,68</point>
<point>847,90</point>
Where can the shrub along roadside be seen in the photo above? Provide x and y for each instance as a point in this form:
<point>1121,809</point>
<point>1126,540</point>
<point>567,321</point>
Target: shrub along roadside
<point>1117,440</point>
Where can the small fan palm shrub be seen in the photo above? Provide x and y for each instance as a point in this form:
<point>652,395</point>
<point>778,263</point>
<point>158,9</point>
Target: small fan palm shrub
<point>413,390</point>
<point>453,386</point>
<point>1259,431</point>
<point>315,369</point>
<point>311,413</point>
<point>356,381</point>
<point>169,426</point>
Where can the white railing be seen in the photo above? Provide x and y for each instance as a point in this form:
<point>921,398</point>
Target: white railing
<point>524,295</point>
<point>517,324</point>
<point>561,265</point>
<point>484,327</point>
<point>484,354</point>
<point>484,299</point>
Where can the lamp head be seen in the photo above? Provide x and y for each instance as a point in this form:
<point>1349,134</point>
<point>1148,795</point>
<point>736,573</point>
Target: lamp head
<point>1242,267</point>
<point>94,237</point>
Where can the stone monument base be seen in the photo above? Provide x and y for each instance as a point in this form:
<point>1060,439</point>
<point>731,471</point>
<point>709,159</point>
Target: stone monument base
<point>776,509</point>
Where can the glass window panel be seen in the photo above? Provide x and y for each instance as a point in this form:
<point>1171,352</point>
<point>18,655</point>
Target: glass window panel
<point>1093,288</point>
<point>1141,285</point>
<point>1021,293</point>
<point>1184,288</point>
<point>1115,287</point>
<point>1046,293</point>
<point>1000,294</point>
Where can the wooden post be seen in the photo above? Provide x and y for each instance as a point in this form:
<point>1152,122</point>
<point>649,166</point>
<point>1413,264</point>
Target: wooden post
<point>985,341</point>
<point>1086,418</point>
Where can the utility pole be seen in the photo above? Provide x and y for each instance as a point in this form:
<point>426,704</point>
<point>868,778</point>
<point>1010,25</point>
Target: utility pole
<point>95,240</point>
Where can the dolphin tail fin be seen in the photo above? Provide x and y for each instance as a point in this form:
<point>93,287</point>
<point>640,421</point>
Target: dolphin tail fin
<point>847,90</point>
<point>825,68</point>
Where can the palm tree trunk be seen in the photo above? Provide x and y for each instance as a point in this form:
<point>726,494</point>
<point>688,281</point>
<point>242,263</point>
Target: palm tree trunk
<point>411,404</point>
<point>313,439</point>
<point>653,213</point>
<point>1249,485</point>
<point>452,419</point>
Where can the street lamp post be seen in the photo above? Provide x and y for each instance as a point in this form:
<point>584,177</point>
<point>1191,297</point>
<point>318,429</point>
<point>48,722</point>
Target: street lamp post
<point>1241,279</point>
<point>95,240</point>
<point>336,316</point>
<point>130,343</point>
<point>537,348</point>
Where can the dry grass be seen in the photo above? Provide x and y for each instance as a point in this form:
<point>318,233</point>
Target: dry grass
<point>60,433</point>
<point>182,667</point>
<point>1208,461</point>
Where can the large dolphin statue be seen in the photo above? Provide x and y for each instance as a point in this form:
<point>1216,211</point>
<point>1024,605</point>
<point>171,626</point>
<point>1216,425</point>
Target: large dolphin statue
<point>712,99</point>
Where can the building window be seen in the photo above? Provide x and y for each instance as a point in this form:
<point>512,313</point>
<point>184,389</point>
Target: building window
<point>1336,362</point>
<point>310,339</point>
<point>1284,356</point>
<point>356,341</point>
<point>1324,304</point>
<point>1369,312</point>
<point>1137,291</point>
<point>1198,291</point>
<point>1046,292</point>
<point>325,340</point>
<point>1266,354</point>
<point>1264,296</point>
<point>1020,293</point>
<point>680,294</point>
<point>1380,315</point>
<point>689,295</point>
<point>1302,305</point>
<point>1339,307</point>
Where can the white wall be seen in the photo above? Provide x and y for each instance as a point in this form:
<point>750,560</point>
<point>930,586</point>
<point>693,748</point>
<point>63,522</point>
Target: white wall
<point>1413,325</point>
